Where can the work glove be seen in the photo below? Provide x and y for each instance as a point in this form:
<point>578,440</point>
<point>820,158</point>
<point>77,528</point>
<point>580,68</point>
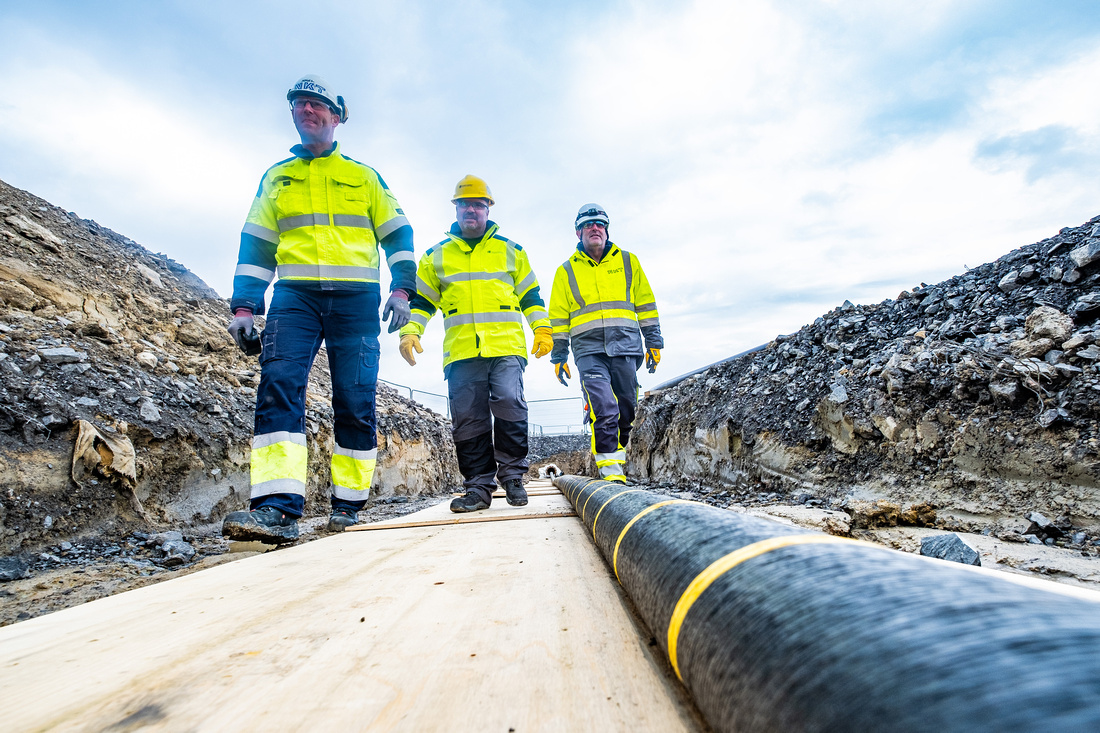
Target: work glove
<point>409,342</point>
<point>397,310</point>
<point>544,342</point>
<point>562,369</point>
<point>652,359</point>
<point>243,330</point>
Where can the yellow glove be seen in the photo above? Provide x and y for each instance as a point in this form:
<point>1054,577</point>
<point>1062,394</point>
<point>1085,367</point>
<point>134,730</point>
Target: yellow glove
<point>652,359</point>
<point>409,342</point>
<point>562,369</point>
<point>543,343</point>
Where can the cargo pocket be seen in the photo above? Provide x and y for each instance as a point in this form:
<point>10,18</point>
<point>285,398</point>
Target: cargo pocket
<point>269,341</point>
<point>369,351</point>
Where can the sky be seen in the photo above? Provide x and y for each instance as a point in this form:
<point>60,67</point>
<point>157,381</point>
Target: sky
<point>766,161</point>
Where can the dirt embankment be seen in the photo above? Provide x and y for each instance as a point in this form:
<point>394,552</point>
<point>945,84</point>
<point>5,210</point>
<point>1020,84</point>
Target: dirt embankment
<point>976,400</point>
<point>125,406</point>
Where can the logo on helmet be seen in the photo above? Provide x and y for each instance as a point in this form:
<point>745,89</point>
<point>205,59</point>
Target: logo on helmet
<point>308,85</point>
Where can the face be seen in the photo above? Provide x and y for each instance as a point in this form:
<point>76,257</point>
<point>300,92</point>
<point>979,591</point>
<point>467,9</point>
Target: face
<point>593,236</point>
<point>314,120</point>
<point>472,215</point>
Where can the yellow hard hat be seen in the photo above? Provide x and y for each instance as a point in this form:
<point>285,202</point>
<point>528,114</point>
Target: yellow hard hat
<point>472,187</point>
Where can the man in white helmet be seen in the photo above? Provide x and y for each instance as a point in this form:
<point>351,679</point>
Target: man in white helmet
<point>485,287</point>
<point>602,307</point>
<point>317,221</point>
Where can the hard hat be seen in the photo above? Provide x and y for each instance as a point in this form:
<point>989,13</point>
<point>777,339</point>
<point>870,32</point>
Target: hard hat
<point>472,187</point>
<point>312,85</point>
<point>591,212</point>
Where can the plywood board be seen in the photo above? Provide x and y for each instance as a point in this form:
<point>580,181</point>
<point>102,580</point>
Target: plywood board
<point>482,627</point>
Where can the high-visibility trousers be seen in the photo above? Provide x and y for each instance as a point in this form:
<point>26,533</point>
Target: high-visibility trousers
<point>299,320</point>
<point>610,386</point>
<point>489,420</point>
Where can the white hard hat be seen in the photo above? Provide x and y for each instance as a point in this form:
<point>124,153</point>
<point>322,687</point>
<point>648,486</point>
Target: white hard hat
<point>312,85</point>
<point>591,212</point>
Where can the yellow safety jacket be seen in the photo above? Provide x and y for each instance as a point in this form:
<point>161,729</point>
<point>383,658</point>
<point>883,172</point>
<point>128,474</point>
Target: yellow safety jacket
<point>485,290</point>
<point>318,221</point>
<point>603,307</point>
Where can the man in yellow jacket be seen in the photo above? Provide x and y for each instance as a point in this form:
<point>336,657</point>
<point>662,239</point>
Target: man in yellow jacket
<point>485,287</point>
<point>318,220</point>
<point>602,307</point>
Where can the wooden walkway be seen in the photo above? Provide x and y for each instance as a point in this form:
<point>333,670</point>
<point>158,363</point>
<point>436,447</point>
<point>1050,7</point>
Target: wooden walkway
<point>477,626</point>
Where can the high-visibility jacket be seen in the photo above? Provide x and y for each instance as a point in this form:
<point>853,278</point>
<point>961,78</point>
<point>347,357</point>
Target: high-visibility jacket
<point>603,307</point>
<point>317,223</point>
<point>484,289</point>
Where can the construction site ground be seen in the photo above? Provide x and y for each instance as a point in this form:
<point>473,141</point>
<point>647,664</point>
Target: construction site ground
<point>507,619</point>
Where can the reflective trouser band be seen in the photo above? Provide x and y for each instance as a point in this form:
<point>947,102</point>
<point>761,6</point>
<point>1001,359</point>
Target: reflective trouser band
<point>611,464</point>
<point>328,272</point>
<point>279,464</point>
<point>352,471</point>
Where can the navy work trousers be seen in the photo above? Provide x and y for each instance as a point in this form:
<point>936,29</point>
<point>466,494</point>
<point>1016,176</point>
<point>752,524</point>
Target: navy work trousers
<point>489,420</point>
<point>610,385</point>
<point>299,320</point>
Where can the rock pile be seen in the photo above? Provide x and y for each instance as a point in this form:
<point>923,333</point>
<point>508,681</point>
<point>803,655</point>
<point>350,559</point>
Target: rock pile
<point>96,330</point>
<point>979,395</point>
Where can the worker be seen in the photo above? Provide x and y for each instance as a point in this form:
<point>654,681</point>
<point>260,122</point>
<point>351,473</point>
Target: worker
<point>317,222</point>
<point>482,282</point>
<point>602,307</point>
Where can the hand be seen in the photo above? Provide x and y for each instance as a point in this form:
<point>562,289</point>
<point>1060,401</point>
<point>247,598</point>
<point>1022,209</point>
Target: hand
<point>562,369</point>
<point>544,342</point>
<point>242,329</point>
<point>396,310</point>
<point>409,342</point>
<point>652,359</point>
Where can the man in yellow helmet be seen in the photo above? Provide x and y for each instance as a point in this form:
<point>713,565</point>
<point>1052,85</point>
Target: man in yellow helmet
<point>317,221</point>
<point>485,287</point>
<point>602,307</point>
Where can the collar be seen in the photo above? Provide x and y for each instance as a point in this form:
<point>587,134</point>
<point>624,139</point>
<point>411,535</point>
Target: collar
<point>610,249</point>
<point>455,235</point>
<point>300,151</point>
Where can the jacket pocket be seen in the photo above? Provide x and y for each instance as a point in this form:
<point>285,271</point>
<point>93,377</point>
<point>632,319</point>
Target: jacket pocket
<point>369,352</point>
<point>352,188</point>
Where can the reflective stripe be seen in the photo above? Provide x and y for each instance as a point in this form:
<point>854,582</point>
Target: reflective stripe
<point>427,290</point>
<point>351,220</point>
<point>491,317</point>
<point>573,283</point>
<point>303,220</point>
<point>260,273</point>
<point>536,314</point>
<point>284,436</point>
<point>419,318</point>
<point>603,323</point>
<point>606,305</point>
<point>559,322</point>
<point>386,228</point>
<point>278,486</point>
<point>628,273</point>
<point>561,337</point>
<point>268,235</point>
<point>528,282</point>
<point>396,257</point>
<point>352,471</point>
<point>603,459</point>
<point>437,263</point>
<point>329,272</point>
<point>510,257</point>
<point>459,277</point>
<point>645,308</point>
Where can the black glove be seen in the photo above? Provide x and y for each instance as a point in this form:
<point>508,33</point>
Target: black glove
<point>243,330</point>
<point>397,310</point>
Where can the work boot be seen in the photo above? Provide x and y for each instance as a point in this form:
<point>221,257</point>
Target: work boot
<point>266,524</point>
<point>515,493</point>
<point>341,519</point>
<point>471,501</point>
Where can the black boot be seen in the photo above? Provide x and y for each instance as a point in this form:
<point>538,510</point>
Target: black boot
<point>266,524</point>
<point>341,519</point>
<point>514,492</point>
<point>471,501</point>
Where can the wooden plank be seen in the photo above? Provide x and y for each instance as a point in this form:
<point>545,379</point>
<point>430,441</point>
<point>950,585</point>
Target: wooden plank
<point>473,518</point>
<point>494,626</point>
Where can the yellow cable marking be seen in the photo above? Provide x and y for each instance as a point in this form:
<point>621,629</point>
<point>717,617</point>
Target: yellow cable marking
<point>616,496</point>
<point>722,565</point>
<point>639,515</point>
<point>586,503</point>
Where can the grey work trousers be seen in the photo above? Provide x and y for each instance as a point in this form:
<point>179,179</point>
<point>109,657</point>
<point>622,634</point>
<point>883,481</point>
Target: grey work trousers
<point>488,420</point>
<point>610,386</point>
